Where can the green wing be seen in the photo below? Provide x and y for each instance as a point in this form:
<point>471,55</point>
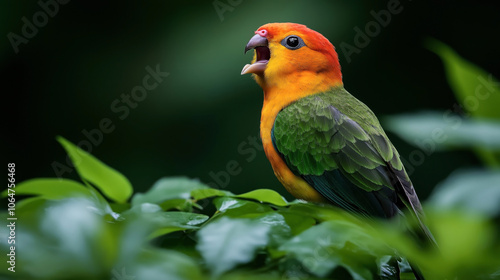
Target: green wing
<point>336,144</point>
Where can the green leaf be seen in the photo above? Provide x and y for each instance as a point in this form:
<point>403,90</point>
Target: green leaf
<point>57,189</point>
<point>29,203</point>
<point>477,90</point>
<point>472,191</point>
<point>179,204</point>
<point>298,222</point>
<point>279,232</point>
<point>265,195</point>
<point>160,264</point>
<point>73,232</point>
<point>234,207</point>
<point>317,211</point>
<point>478,248</point>
<point>51,188</point>
<point>164,222</point>
<point>437,130</point>
<point>109,181</point>
<point>200,194</point>
<point>167,189</point>
<point>226,242</point>
<point>331,244</point>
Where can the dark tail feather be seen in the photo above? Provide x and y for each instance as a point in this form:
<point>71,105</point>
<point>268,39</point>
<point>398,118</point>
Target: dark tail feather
<point>408,196</point>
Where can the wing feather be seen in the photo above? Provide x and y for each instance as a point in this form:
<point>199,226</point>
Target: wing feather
<point>350,161</point>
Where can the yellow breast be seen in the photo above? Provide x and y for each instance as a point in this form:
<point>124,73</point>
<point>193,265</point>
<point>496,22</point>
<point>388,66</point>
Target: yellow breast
<point>293,184</point>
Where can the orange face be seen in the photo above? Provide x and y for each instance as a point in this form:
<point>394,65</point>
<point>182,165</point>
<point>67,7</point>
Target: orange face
<point>287,52</point>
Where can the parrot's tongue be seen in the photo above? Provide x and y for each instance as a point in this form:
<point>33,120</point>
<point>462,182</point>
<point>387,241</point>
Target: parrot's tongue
<point>256,68</point>
<point>263,55</point>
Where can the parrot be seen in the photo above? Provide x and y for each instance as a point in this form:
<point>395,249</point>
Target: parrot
<point>325,145</point>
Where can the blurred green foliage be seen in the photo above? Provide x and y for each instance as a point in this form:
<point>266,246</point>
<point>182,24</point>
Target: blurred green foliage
<point>474,122</point>
<point>477,91</point>
<point>85,231</point>
<point>437,131</point>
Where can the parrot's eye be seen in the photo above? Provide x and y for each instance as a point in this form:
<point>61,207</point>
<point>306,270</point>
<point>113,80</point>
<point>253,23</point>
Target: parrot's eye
<point>293,42</point>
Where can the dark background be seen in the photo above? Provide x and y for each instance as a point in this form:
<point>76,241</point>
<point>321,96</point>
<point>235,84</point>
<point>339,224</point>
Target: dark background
<point>65,78</point>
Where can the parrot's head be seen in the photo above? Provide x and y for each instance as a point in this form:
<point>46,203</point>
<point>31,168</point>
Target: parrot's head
<point>292,55</point>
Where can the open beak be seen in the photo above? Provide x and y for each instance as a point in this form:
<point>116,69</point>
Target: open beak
<point>262,55</point>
